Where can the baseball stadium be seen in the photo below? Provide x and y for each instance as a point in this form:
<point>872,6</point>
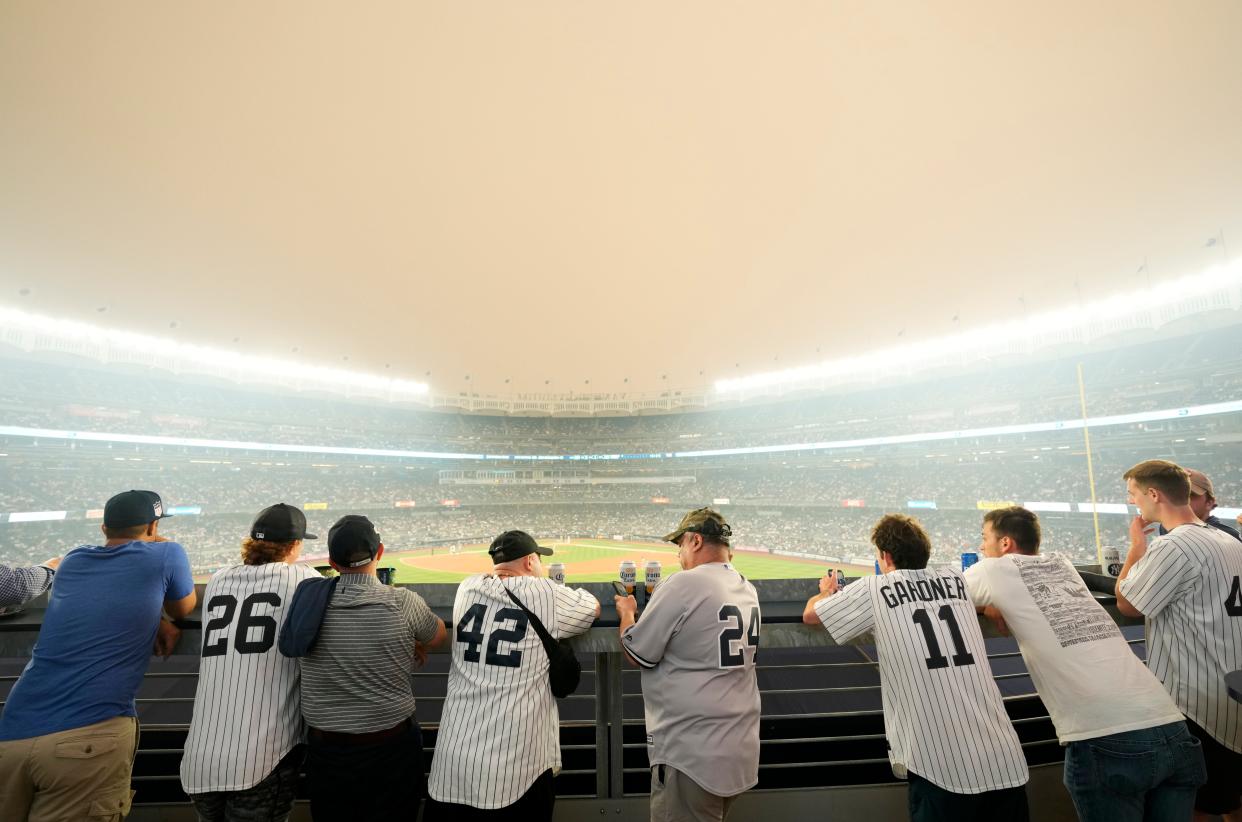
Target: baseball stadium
<point>833,386</point>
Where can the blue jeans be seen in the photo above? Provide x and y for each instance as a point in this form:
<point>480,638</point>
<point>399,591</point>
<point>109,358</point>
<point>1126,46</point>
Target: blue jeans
<point>1150,774</point>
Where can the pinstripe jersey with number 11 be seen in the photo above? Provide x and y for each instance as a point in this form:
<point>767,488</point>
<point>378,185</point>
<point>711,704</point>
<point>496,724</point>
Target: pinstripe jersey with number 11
<point>943,713</point>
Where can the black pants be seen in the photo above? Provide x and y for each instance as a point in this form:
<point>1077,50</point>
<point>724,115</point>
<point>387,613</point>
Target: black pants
<point>377,783</point>
<point>534,805</point>
<point>931,803</point>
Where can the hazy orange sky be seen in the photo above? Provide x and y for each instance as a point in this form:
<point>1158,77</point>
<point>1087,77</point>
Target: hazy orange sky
<point>537,194</point>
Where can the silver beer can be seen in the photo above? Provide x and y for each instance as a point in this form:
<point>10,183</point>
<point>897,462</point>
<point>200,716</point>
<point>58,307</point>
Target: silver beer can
<point>629,575</point>
<point>652,574</point>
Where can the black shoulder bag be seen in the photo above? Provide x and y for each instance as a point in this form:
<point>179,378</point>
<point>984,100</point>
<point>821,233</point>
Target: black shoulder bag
<point>564,669</point>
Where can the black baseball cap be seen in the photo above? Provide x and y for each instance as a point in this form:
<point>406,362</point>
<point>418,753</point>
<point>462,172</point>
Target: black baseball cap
<point>353,541</point>
<point>513,545</point>
<point>280,523</point>
<point>130,508</point>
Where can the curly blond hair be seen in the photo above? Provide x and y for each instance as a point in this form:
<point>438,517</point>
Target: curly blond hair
<point>263,551</point>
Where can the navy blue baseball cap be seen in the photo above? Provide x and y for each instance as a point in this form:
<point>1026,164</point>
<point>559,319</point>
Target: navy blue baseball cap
<point>353,541</point>
<point>130,508</point>
<point>280,523</point>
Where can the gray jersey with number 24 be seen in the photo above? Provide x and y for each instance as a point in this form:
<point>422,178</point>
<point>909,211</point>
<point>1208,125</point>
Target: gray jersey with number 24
<point>696,643</point>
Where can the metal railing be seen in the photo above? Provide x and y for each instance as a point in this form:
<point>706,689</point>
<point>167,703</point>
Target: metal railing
<point>609,697</point>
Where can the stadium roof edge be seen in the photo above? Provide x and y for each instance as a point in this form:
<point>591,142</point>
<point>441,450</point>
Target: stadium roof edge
<point>1101,325</point>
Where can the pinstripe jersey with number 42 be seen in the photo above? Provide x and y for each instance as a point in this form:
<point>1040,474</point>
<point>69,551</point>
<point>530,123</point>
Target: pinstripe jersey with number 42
<point>943,713</point>
<point>247,714</point>
<point>500,726</point>
<point>1189,586</point>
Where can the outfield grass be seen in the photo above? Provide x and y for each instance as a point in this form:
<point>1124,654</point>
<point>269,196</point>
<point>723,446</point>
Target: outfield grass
<point>596,561</point>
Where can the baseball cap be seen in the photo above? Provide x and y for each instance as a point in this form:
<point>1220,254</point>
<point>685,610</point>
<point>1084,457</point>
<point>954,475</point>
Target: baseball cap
<point>130,508</point>
<point>1199,483</point>
<point>703,521</point>
<point>280,523</point>
<point>353,541</point>
<point>513,545</point>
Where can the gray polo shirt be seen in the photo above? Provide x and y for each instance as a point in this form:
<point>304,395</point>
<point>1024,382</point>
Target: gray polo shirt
<point>358,677</point>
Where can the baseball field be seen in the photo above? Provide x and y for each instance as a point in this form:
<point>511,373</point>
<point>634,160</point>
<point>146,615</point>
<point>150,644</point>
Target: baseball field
<point>591,560</point>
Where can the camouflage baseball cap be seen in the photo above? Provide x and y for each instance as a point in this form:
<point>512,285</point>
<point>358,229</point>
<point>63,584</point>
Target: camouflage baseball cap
<point>1199,483</point>
<point>703,521</point>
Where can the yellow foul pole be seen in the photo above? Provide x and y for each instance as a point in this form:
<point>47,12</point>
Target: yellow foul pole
<point>1086,438</point>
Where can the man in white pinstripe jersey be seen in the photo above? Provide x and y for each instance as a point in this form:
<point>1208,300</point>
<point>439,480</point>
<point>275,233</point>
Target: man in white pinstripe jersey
<point>498,747</point>
<point>947,729</point>
<point>243,750</point>
<point>1188,584</point>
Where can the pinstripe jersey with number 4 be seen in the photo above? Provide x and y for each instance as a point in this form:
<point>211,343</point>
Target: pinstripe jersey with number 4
<point>500,726</point>
<point>247,714</point>
<point>1189,586</point>
<point>943,713</point>
<point>696,642</point>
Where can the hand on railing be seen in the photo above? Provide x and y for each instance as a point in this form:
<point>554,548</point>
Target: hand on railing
<point>166,638</point>
<point>992,613</point>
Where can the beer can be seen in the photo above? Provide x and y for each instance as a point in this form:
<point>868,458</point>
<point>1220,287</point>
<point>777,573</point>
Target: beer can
<point>652,574</point>
<point>877,568</point>
<point>629,575</point>
<point>556,572</point>
<point>969,558</point>
<point>387,576</point>
<point>1110,561</point>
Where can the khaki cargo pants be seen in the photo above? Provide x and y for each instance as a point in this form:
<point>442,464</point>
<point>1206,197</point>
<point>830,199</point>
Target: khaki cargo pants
<point>676,797</point>
<point>80,774</point>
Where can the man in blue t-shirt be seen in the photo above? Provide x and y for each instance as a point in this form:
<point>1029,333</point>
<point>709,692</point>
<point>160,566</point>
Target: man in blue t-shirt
<point>69,729</point>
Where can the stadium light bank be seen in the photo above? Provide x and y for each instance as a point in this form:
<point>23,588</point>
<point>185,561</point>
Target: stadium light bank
<point>1230,407</point>
<point>34,332</point>
<point>1218,287</point>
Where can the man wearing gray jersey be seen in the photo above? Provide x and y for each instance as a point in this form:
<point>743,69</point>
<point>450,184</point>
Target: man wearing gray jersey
<point>696,645</point>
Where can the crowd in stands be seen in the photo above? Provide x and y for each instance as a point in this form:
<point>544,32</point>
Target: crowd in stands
<point>1129,380</point>
<point>884,478</point>
<point>786,502</point>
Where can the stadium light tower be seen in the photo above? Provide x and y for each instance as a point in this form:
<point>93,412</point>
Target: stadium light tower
<point>1220,286</point>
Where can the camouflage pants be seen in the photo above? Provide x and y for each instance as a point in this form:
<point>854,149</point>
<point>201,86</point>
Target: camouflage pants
<point>269,801</point>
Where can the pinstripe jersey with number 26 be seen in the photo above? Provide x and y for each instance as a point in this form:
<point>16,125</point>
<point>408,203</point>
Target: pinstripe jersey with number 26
<point>943,713</point>
<point>247,714</point>
<point>500,726</point>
